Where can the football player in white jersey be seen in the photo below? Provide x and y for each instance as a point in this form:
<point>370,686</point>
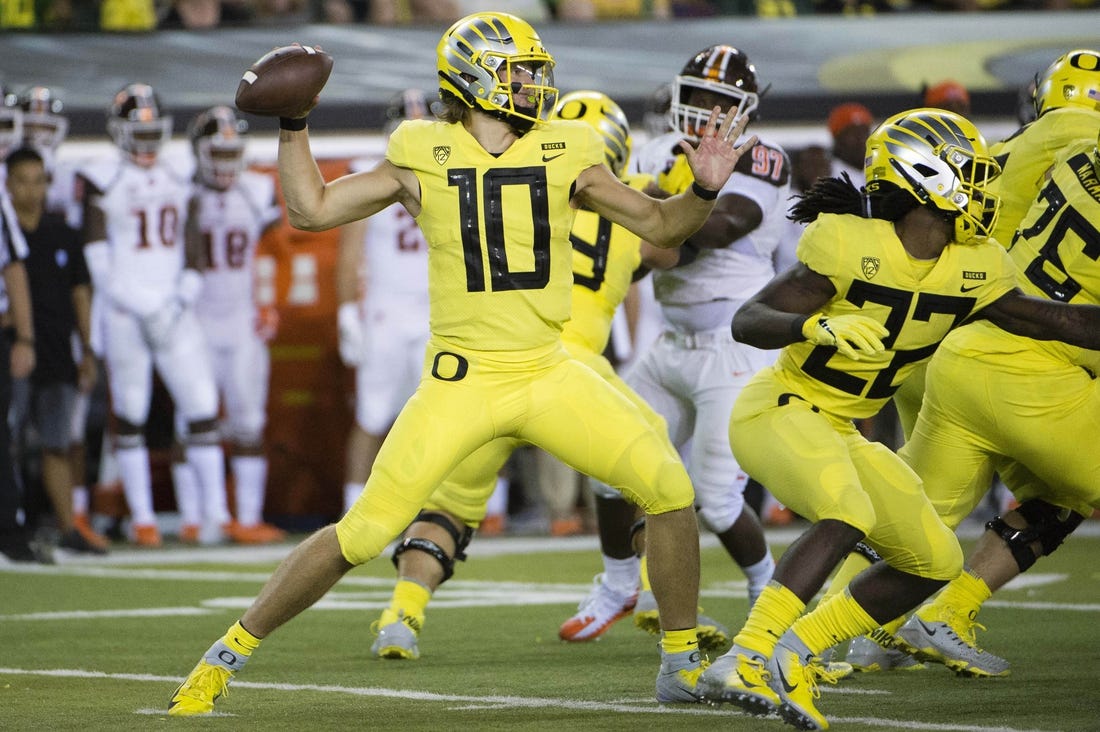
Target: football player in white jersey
<point>382,286</point>
<point>134,216</point>
<point>692,373</point>
<point>230,210</point>
<point>11,125</point>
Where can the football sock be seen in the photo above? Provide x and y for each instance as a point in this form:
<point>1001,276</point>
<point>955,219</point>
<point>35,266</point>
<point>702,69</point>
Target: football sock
<point>643,575</point>
<point>836,619</point>
<point>621,575</point>
<point>209,464</point>
<point>678,641</point>
<point>758,576</point>
<point>965,594</point>
<point>853,565</point>
<point>410,598</point>
<point>249,477</point>
<point>893,625</point>
<point>233,649</point>
<point>185,485</point>
<point>133,468</point>
<point>771,615</point>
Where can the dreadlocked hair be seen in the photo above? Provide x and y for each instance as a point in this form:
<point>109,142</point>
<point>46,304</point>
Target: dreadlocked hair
<point>841,196</point>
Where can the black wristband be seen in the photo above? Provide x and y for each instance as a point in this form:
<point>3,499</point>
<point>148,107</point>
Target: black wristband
<point>704,193</point>
<point>293,124</point>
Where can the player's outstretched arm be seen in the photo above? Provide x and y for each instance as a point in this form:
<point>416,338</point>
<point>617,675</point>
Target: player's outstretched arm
<point>667,223</point>
<point>773,317</point>
<point>1047,320</point>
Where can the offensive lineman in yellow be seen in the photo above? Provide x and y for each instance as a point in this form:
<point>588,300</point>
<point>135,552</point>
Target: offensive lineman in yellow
<point>605,256</point>
<point>494,188</point>
<point>1039,432</point>
<point>873,294</point>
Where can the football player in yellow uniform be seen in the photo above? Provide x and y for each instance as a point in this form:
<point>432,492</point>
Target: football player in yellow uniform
<point>605,257</point>
<point>1067,101</point>
<point>494,187</point>
<point>1042,388</point>
<point>884,275</point>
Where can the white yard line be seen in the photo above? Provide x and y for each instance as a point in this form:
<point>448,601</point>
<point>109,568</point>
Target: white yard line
<point>462,701</point>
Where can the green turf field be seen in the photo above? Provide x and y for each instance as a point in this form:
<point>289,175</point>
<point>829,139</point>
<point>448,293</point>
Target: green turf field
<point>101,645</point>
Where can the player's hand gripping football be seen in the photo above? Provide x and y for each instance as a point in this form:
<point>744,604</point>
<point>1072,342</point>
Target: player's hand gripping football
<point>852,335</point>
<point>716,154</point>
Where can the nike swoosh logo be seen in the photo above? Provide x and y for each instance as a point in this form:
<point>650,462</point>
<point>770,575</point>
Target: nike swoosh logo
<point>964,288</point>
<point>787,686</point>
<point>930,631</point>
<point>548,158</point>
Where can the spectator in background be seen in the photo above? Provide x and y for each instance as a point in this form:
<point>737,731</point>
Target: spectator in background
<point>388,12</point>
<point>61,302</point>
<point>205,14</point>
<point>948,94</point>
<point>850,125</point>
<point>16,362</point>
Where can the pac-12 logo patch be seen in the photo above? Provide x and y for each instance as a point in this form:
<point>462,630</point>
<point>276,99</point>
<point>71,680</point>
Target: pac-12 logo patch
<point>870,266</point>
<point>442,153</point>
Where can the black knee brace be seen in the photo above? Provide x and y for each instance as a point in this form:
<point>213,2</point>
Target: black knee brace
<point>461,539</point>
<point>1046,523</point>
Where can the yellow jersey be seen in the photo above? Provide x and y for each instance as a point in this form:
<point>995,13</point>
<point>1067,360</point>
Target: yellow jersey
<point>919,302</point>
<point>605,257</point>
<point>1026,156</point>
<point>497,226</point>
<point>1056,254</point>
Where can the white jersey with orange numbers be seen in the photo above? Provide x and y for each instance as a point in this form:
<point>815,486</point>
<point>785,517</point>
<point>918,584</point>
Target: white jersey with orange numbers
<point>232,222</point>
<point>145,210</point>
<point>704,295</point>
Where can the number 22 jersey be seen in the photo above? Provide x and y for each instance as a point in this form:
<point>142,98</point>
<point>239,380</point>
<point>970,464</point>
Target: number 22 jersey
<point>918,302</point>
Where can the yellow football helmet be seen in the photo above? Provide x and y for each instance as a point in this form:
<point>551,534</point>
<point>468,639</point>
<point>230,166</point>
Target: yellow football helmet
<point>1073,79</point>
<point>942,160</point>
<point>604,116</point>
<point>496,62</point>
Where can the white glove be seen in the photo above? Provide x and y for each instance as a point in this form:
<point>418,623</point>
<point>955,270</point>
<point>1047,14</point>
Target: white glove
<point>159,325</point>
<point>350,329</point>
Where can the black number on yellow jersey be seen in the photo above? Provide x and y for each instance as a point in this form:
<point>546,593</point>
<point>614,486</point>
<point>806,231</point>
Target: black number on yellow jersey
<point>492,241</point>
<point>596,251</point>
<point>1061,219</point>
<point>900,303</point>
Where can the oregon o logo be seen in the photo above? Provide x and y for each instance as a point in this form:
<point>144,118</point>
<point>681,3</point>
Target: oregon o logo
<point>458,372</point>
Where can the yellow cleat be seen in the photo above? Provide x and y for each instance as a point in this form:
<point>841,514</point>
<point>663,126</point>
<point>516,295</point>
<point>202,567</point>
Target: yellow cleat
<point>795,680</point>
<point>195,696</point>
<point>942,635</point>
<point>741,678</point>
<point>396,636</point>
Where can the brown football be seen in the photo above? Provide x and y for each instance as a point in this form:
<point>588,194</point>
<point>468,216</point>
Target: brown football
<point>284,82</point>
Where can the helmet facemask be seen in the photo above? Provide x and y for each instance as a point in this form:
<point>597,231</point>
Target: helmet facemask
<point>44,127</point>
<point>724,74</point>
<point>495,62</point>
<point>218,140</point>
<point>137,124</point>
